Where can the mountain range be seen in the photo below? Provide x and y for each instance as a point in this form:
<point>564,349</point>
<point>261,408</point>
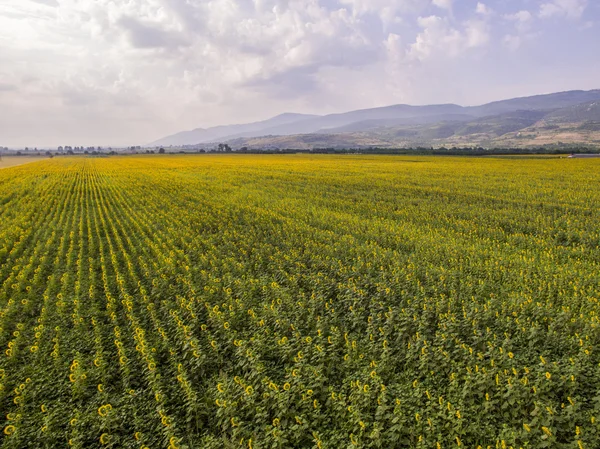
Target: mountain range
<point>571,117</point>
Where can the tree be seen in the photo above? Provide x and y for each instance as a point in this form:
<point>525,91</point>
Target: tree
<point>161,151</point>
<point>224,148</point>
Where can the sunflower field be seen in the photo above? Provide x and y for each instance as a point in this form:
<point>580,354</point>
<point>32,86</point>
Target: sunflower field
<point>300,301</point>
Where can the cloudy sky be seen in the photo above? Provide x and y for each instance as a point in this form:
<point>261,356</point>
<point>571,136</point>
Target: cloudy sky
<point>124,72</point>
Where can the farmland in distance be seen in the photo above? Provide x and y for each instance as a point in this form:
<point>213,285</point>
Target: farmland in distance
<point>13,161</point>
<point>229,301</point>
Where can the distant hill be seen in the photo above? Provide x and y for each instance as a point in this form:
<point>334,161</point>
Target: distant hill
<point>501,124</point>
<point>519,121</point>
<point>539,102</point>
<point>200,135</point>
<point>584,112</point>
<point>366,125</point>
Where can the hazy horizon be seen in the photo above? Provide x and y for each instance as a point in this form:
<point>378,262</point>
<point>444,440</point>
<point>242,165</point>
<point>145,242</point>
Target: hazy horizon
<point>127,73</point>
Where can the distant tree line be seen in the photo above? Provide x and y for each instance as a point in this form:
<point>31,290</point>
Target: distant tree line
<point>226,148</point>
<point>454,151</point>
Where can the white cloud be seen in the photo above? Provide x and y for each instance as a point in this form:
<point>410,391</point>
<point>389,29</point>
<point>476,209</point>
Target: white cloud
<point>443,4</point>
<point>389,11</point>
<point>438,39</point>
<point>513,42</point>
<point>395,48</point>
<point>477,34</point>
<point>572,9</point>
<point>483,9</point>
<point>523,21</point>
<point>360,7</point>
<point>521,16</point>
<point>523,25</point>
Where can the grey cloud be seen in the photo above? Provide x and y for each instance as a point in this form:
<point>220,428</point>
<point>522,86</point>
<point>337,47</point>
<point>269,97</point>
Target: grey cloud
<point>72,96</point>
<point>340,55</point>
<point>5,87</point>
<point>303,79</point>
<point>291,83</point>
<point>146,36</point>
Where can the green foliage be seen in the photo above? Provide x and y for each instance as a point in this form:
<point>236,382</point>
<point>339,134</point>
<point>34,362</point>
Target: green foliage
<point>333,302</point>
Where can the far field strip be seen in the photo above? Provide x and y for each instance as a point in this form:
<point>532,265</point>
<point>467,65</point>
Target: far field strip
<point>14,161</point>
